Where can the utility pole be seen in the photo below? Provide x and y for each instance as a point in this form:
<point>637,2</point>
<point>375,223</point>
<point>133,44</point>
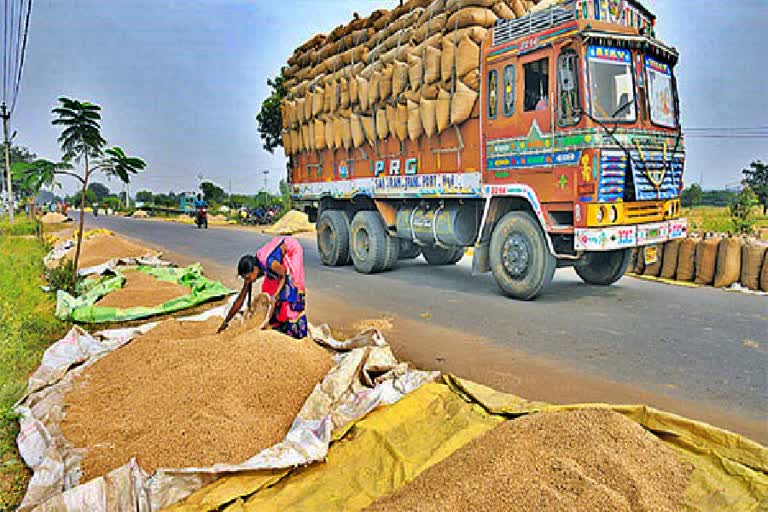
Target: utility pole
<point>266,177</point>
<point>6,117</point>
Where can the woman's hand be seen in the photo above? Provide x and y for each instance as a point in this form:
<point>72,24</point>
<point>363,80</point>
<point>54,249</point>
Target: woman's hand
<point>223,327</point>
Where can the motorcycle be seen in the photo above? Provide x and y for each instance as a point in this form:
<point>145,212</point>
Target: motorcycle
<point>201,219</point>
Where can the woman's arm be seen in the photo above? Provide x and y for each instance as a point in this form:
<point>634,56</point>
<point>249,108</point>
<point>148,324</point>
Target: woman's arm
<point>280,270</point>
<point>237,306</point>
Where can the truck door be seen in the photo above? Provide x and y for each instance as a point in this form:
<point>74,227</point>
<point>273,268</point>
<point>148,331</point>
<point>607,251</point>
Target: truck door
<point>537,106</point>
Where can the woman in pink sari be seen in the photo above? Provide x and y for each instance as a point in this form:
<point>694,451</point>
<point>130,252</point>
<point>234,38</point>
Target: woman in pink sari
<point>281,262</point>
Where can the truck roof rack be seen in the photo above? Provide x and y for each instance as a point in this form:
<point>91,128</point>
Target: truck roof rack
<point>509,30</point>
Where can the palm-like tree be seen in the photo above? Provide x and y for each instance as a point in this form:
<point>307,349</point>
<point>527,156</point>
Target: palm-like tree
<point>81,141</point>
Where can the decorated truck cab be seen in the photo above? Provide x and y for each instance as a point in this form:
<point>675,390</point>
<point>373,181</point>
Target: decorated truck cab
<point>573,156</point>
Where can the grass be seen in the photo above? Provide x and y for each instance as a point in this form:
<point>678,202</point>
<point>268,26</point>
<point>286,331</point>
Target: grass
<point>24,226</point>
<point>718,218</point>
<point>27,328</point>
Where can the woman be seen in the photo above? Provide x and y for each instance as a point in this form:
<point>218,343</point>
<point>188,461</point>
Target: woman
<point>281,262</point>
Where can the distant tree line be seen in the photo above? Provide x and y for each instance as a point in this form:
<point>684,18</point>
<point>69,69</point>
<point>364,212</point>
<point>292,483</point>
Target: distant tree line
<point>216,196</point>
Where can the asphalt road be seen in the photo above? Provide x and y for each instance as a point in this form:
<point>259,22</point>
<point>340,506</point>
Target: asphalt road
<point>705,345</point>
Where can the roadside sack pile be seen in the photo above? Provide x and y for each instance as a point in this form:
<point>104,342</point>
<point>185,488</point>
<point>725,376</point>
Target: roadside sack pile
<point>291,223</point>
<point>711,260</point>
<point>405,73</point>
<point>589,459</point>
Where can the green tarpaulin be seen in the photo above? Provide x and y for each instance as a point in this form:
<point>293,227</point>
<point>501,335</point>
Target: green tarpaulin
<point>83,308</point>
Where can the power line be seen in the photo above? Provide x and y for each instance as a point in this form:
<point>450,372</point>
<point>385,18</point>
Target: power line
<point>22,52</point>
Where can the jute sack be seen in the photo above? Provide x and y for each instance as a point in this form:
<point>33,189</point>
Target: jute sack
<point>452,5</point>
<point>312,136</point>
<point>319,135</point>
<point>284,115</point>
<point>467,56</point>
<point>430,92</point>
<point>476,34</point>
<point>671,255</point>
<point>432,64</point>
<point>447,59</point>
<point>519,7</point>
<point>382,127</point>
<point>415,72</point>
<point>318,100</point>
<point>373,90</point>
<point>764,276</point>
<point>356,126</point>
<point>472,16</point>
<point>354,99</point>
<point>338,140</point>
<point>463,104</point>
<point>752,257</point>
<point>385,84</point>
<point>428,111</point>
<point>472,80</point>
<point>391,117</point>
<point>728,268</point>
<point>329,131</point>
<point>399,78</point>
<point>362,87</point>
<point>433,9</point>
<point>428,28</point>
<point>286,138</point>
<point>369,128</point>
<point>654,269</point>
<point>503,11</point>
<point>308,108</point>
<point>415,128</point>
<point>343,91</point>
<point>443,110</point>
<point>346,132</point>
<point>401,121</point>
<point>706,259</point>
<point>300,110</point>
<point>686,259</point>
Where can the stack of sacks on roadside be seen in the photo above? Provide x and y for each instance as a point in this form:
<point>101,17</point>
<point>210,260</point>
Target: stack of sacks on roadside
<point>407,73</point>
<point>711,260</point>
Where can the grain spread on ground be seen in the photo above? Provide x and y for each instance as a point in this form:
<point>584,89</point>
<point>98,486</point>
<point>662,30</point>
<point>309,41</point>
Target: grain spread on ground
<point>54,218</point>
<point>103,248</point>
<point>291,223</point>
<point>585,460</point>
<point>182,396</point>
<point>141,289</point>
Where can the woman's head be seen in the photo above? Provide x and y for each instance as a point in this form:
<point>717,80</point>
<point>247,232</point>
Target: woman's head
<point>248,268</point>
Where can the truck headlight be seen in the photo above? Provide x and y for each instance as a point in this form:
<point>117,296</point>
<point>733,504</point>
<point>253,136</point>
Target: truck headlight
<point>671,209</point>
<point>613,215</point>
<point>601,214</point>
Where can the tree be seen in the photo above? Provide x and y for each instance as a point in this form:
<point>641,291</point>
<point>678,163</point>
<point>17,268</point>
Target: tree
<point>33,176</point>
<point>692,196</point>
<point>756,178</point>
<point>742,211</point>
<point>100,190</point>
<point>213,193</point>
<point>144,196</point>
<point>81,141</point>
<point>270,117</point>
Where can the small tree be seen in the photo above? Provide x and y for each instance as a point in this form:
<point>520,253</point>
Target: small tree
<point>741,211</point>
<point>213,193</point>
<point>692,195</point>
<point>756,178</point>
<point>270,117</point>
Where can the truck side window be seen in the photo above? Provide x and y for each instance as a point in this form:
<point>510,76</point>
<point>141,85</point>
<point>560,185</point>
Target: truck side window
<point>509,90</point>
<point>569,108</point>
<point>536,85</point>
<point>493,94</point>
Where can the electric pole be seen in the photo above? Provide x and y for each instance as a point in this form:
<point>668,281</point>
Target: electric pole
<point>6,117</point>
<point>266,177</point>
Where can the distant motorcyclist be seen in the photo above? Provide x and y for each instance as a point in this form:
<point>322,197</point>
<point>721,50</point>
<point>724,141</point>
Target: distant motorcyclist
<point>200,202</point>
<point>201,207</point>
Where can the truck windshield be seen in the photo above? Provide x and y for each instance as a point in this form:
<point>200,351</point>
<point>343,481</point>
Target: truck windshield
<point>612,87</point>
<point>661,94</point>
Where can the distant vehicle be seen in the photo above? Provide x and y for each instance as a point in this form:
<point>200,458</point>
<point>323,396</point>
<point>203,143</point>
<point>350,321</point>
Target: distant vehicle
<point>201,219</point>
<point>187,202</point>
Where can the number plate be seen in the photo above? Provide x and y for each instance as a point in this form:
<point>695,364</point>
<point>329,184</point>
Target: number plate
<point>651,255</point>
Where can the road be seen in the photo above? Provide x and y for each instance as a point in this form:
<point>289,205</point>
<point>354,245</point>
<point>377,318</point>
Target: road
<point>703,345</point>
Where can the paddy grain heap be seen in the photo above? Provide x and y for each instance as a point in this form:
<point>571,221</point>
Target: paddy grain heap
<point>102,248</point>
<point>141,289</point>
<point>182,396</point>
<point>586,460</point>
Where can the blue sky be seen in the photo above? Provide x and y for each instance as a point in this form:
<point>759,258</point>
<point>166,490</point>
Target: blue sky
<point>181,81</point>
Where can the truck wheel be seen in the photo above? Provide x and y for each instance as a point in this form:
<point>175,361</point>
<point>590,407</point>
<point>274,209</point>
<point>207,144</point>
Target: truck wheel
<point>409,250</point>
<point>370,245</point>
<point>604,268</point>
<point>393,252</point>
<point>439,256</point>
<point>520,258</point>
<point>333,238</point>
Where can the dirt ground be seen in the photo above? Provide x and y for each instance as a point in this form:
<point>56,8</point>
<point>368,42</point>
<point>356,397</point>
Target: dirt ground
<point>182,396</point>
<point>587,460</point>
<point>141,289</point>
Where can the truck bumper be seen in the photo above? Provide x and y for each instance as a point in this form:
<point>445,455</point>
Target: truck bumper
<point>627,237</point>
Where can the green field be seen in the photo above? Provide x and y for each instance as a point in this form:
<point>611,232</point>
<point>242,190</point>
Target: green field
<point>718,218</point>
<point>27,328</point>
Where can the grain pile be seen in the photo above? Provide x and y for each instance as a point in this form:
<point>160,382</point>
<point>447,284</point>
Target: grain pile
<point>291,223</point>
<point>182,396</point>
<point>405,73</point>
<point>103,248</point>
<point>54,218</point>
<point>141,289</point>
<point>586,460</point>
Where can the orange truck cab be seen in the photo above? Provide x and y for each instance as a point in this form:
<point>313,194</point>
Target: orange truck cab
<point>574,158</point>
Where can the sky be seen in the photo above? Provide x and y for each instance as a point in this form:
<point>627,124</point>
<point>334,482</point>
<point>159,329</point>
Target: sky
<point>181,81</point>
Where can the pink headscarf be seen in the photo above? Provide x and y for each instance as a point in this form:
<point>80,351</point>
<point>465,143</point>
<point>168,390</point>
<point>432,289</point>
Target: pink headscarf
<point>293,260</point>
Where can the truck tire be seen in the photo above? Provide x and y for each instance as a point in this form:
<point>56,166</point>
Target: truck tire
<point>393,252</point>
<point>409,250</point>
<point>438,256</point>
<point>333,238</point>
<point>520,258</point>
<point>370,245</point>
<point>604,268</point>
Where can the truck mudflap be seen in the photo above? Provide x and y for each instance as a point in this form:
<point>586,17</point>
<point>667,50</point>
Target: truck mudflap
<point>627,237</point>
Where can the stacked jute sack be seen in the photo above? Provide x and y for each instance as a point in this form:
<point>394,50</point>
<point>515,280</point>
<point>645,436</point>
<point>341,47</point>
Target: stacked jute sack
<point>711,260</point>
<point>406,73</point>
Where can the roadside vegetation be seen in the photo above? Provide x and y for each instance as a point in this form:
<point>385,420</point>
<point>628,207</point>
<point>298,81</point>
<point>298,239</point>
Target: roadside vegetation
<point>27,328</point>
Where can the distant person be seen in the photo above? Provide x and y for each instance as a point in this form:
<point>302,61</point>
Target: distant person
<point>281,262</point>
<point>200,202</point>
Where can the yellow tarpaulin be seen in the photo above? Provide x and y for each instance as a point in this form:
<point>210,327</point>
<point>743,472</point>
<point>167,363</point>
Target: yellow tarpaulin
<point>393,445</point>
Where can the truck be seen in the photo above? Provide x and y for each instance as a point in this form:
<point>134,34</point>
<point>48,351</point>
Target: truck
<point>575,160</point>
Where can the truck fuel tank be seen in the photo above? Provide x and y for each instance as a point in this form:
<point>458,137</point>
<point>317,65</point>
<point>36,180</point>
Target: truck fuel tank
<point>453,224</point>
